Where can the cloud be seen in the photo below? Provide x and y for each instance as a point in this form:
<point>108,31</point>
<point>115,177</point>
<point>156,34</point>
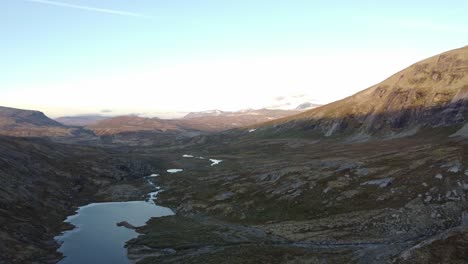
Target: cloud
<point>89,8</point>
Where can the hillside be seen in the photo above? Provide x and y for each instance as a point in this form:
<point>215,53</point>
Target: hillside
<point>124,124</point>
<point>430,93</point>
<point>27,123</point>
<point>82,120</point>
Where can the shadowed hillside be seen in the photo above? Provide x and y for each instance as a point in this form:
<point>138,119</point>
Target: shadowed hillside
<point>28,123</point>
<point>430,93</point>
<point>42,182</point>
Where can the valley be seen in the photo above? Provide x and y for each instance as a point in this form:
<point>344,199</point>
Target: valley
<point>363,203</point>
<point>378,177</point>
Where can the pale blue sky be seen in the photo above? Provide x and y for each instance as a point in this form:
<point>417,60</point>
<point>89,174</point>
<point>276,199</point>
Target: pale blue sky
<point>201,54</point>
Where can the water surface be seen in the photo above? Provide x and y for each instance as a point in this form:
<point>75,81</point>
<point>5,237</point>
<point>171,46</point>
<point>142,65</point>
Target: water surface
<point>97,238</point>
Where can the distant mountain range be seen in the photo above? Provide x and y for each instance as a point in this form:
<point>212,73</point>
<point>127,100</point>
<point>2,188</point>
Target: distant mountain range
<point>124,124</point>
<point>206,113</point>
<point>206,121</point>
<point>217,120</point>
<point>288,106</point>
<point>268,114</point>
<point>430,93</point>
<point>293,102</point>
<point>27,123</point>
<point>81,120</point>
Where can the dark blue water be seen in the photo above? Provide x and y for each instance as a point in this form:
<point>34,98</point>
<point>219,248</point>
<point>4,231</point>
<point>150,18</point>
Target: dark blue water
<point>97,238</point>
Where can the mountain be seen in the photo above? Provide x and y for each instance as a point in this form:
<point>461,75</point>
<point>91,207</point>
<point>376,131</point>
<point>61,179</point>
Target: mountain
<point>206,113</point>
<point>206,121</point>
<point>293,102</point>
<point>124,124</point>
<point>81,120</point>
<point>430,93</point>
<point>209,118</point>
<point>28,123</point>
<point>216,121</point>
<point>264,113</point>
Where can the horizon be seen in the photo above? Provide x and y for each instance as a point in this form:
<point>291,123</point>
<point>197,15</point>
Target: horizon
<point>79,57</point>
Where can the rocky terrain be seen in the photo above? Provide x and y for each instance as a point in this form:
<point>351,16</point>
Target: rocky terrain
<point>302,200</point>
<point>27,123</point>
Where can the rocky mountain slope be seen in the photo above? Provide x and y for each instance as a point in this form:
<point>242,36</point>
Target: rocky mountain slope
<point>27,123</point>
<point>430,93</point>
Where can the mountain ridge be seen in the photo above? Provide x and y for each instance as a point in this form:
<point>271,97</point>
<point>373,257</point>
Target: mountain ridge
<point>432,92</point>
<point>31,123</point>
<point>205,121</point>
<point>80,120</point>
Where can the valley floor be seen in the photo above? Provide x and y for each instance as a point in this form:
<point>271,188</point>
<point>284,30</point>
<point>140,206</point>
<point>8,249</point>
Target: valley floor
<point>270,200</point>
<point>306,201</point>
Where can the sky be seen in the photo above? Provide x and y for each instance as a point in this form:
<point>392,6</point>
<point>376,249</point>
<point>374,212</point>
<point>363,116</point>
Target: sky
<point>155,57</point>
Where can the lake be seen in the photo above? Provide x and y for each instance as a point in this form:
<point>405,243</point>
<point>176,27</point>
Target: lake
<point>97,238</point>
